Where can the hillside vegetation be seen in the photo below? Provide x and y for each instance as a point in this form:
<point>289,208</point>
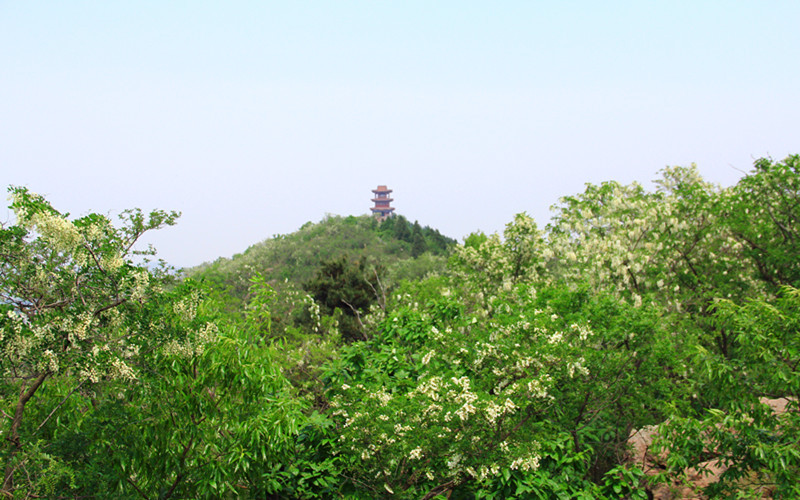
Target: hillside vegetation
<point>353,359</point>
<point>361,257</point>
<point>392,244</point>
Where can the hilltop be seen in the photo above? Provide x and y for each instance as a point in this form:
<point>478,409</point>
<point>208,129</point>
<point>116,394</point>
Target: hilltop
<point>392,251</point>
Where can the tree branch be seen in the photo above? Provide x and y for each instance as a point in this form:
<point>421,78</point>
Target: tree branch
<point>110,306</point>
<point>60,405</point>
<point>358,318</point>
<point>24,397</point>
<point>440,489</point>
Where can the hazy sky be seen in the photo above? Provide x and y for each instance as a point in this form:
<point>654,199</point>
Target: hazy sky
<point>254,117</point>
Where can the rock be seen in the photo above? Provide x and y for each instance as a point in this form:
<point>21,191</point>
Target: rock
<point>690,483</point>
<point>778,405</point>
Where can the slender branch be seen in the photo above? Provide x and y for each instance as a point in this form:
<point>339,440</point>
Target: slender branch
<point>440,489</point>
<point>519,424</point>
<point>94,258</point>
<point>382,297</point>
<point>60,405</point>
<point>358,318</point>
<point>179,477</point>
<point>110,306</point>
<point>24,397</point>
<point>78,288</point>
<point>359,482</point>
<point>132,483</point>
<point>53,305</point>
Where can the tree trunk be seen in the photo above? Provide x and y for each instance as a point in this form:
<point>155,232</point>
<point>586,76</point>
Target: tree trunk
<point>13,436</point>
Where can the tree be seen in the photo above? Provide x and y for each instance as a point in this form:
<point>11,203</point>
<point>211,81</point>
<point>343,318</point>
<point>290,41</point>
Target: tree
<point>417,244</point>
<point>77,310</point>
<point>529,389</point>
<point>753,430</point>
<point>116,378</point>
<point>763,213</point>
<point>345,285</point>
<point>208,420</point>
<point>401,229</point>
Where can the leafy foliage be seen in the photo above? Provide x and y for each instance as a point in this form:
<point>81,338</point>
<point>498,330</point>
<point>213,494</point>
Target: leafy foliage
<point>358,359</point>
<point>344,286</point>
<point>297,257</point>
<point>115,379</point>
<point>384,253</point>
<point>74,307</point>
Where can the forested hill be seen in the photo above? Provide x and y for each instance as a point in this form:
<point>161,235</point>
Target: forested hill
<point>399,248</point>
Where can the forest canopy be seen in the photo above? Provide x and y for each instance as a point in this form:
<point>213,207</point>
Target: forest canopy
<point>365,359</point>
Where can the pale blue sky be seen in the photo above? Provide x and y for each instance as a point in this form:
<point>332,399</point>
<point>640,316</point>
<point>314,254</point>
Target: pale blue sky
<point>254,117</point>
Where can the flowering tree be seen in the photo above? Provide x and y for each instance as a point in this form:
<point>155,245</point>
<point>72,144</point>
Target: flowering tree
<point>674,246</point>
<point>417,415</point>
<point>755,358</point>
<point>763,214</point>
<point>752,430</point>
<point>497,382</point>
<point>525,369</point>
<point>115,378</point>
<point>633,243</point>
<point>77,311</point>
<point>520,372</point>
<point>490,261</point>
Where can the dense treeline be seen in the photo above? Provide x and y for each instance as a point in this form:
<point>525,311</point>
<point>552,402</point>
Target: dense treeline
<point>361,359</point>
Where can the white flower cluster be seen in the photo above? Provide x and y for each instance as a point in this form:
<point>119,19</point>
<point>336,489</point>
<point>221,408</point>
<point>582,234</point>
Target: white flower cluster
<point>77,328</point>
<point>537,388</point>
<point>50,361</point>
<point>139,280</point>
<point>186,308</point>
<point>194,345</point>
<point>382,396</point>
<point>57,231</point>
<point>314,310</point>
<point>465,397</point>
<point>90,373</point>
<point>401,429</point>
<point>577,367</point>
<point>583,331</point>
<point>494,411</point>
<point>112,262</point>
<point>528,463</point>
<point>120,370</point>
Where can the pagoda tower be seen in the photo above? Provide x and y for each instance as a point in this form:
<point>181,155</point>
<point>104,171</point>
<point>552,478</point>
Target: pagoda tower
<point>382,209</point>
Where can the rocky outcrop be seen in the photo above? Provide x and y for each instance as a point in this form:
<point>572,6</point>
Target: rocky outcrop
<point>689,484</point>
